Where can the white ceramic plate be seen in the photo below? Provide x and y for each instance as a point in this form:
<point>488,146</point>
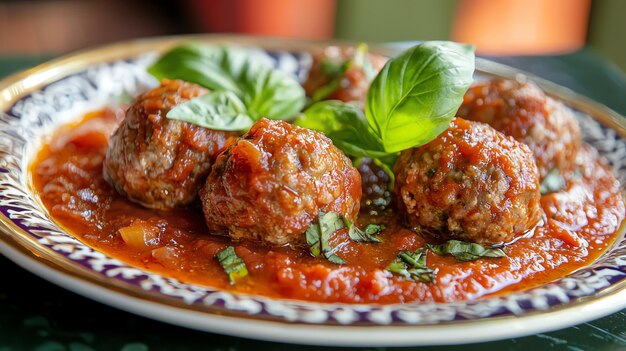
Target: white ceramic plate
<point>34,102</point>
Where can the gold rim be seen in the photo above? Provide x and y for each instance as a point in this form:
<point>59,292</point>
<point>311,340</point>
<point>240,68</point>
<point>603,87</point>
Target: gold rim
<point>18,85</point>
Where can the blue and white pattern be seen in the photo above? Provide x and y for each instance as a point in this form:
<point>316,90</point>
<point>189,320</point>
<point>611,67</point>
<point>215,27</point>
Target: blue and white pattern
<point>24,124</point>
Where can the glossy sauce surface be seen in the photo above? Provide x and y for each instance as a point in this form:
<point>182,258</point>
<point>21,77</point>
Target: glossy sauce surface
<point>577,225</point>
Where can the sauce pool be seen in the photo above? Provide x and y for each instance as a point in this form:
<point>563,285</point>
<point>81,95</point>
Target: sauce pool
<point>578,224</point>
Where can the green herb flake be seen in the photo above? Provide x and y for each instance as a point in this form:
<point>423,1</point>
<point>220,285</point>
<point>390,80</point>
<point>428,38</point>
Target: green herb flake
<point>553,182</point>
<point>412,265</point>
<point>318,236</point>
<point>367,235</point>
<point>232,264</point>
<point>464,251</point>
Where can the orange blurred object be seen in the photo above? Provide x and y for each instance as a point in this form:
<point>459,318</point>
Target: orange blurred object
<point>306,19</point>
<point>522,27</point>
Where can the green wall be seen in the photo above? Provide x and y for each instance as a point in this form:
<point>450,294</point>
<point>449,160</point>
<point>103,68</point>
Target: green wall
<point>394,20</point>
<point>397,20</point>
<point>607,30</point>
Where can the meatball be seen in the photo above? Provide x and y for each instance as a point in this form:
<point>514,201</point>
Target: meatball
<point>158,162</point>
<point>471,183</point>
<point>524,112</point>
<point>353,83</point>
<point>271,184</point>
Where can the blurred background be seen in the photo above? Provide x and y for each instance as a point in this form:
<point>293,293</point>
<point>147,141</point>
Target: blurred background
<point>504,27</point>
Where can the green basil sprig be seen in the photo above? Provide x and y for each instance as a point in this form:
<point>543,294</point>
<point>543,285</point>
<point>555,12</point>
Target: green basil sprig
<point>464,251</point>
<point>232,264</point>
<point>263,90</point>
<point>411,101</point>
<point>412,265</point>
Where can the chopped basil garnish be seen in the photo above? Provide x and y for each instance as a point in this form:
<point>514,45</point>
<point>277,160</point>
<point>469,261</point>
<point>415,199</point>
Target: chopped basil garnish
<point>366,235</point>
<point>553,182</point>
<point>412,265</point>
<point>232,264</point>
<point>463,251</point>
<point>318,235</point>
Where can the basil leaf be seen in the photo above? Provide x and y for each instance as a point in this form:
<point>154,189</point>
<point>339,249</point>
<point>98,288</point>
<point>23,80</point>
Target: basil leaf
<point>213,67</point>
<point>265,92</point>
<point>220,110</point>
<point>367,235</point>
<point>233,266</point>
<point>416,95</point>
<point>464,251</point>
<point>553,182</point>
<point>345,125</point>
<point>412,265</point>
<point>273,94</point>
<point>318,236</point>
<point>313,239</point>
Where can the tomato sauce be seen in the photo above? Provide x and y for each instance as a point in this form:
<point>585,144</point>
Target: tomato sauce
<point>578,224</point>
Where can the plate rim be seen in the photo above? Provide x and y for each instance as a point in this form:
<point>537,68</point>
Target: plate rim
<point>455,333</point>
<point>26,255</point>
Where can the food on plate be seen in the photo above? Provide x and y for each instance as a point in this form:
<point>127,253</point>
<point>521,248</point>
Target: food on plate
<point>523,111</point>
<point>159,162</point>
<point>471,183</point>
<point>390,199</point>
<point>270,184</point>
<point>342,73</point>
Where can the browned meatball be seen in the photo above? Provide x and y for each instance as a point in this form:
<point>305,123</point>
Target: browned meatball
<point>524,112</point>
<point>271,184</point>
<point>353,83</point>
<point>158,162</point>
<point>471,183</point>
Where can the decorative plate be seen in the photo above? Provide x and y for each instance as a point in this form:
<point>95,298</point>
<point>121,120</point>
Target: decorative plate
<point>34,102</point>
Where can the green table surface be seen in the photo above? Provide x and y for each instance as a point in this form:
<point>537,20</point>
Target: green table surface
<point>37,315</point>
